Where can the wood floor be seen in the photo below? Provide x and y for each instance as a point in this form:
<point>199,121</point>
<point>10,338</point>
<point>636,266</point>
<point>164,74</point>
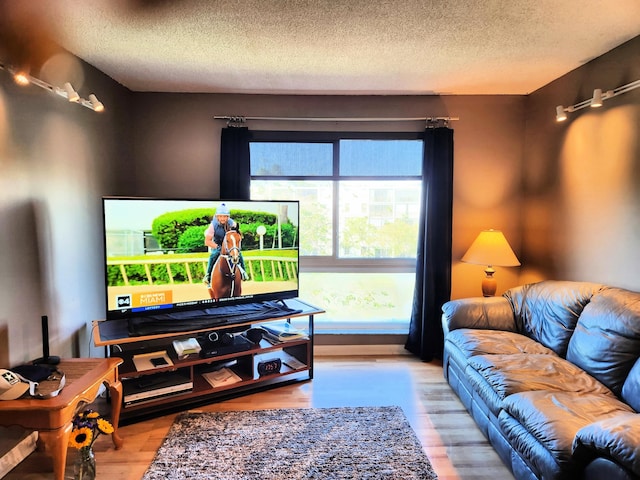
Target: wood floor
<point>451,440</point>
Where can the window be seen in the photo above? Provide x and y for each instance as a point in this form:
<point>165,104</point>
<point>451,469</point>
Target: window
<point>359,214</point>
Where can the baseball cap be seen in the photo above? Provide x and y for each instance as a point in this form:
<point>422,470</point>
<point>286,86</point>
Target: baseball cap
<point>11,387</point>
<point>222,210</point>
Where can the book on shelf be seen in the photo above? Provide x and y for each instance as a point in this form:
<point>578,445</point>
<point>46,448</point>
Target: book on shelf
<point>186,347</point>
<point>221,377</point>
<point>282,332</point>
<point>292,362</point>
<point>151,360</point>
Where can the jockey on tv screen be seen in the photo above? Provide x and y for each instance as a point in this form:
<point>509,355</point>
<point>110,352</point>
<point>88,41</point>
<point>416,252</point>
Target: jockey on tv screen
<point>164,255</point>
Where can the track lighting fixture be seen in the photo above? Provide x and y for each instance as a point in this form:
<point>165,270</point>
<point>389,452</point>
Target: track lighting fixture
<point>22,78</point>
<point>596,101</point>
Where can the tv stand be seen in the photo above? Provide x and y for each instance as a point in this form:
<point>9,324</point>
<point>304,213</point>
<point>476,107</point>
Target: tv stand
<point>156,379</point>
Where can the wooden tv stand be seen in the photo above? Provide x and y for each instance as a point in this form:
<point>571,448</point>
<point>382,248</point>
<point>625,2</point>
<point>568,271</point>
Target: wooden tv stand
<point>180,383</point>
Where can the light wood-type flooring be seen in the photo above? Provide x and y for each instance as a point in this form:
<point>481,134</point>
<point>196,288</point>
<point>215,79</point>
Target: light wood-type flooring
<point>451,440</point>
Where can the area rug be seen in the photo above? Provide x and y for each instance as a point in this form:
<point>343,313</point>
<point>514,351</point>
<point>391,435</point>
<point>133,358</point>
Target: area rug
<point>290,444</point>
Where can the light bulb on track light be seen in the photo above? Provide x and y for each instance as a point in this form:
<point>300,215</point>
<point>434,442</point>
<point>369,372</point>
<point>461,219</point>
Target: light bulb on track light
<point>95,103</point>
<point>560,114</point>
<point>596,101</point>
<point>72,95</point>
<point>21,78</point>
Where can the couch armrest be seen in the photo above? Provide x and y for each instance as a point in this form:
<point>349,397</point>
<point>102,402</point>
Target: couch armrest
<point>616,438</point>
<point>487,313</point>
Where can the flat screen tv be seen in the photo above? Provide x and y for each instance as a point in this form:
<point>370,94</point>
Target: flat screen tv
<point>156,259</point>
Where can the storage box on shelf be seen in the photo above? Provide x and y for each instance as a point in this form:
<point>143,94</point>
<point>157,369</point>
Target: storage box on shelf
<point>234,359</point>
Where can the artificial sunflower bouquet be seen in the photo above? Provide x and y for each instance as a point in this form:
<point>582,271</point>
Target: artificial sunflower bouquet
<point>87,427</point>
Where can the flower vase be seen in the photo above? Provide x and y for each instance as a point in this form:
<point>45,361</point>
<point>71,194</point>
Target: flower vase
<point>85,465</point>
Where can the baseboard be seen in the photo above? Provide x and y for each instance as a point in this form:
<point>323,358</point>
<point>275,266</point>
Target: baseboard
<point>345,344</point>
<point>359,350</point>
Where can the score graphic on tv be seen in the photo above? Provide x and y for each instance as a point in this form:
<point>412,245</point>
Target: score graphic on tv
<point>145,301</point>
<point>160,254</point>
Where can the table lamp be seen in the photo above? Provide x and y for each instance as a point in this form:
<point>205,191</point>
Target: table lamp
<point>492,249</point>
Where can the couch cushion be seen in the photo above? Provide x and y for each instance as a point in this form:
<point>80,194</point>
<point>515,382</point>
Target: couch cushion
<point>548,311</point>
<point>482,342</point>
<point>631,387</point>
<point>493,313</point>
<point>606,341</point>
<point>550,420</point>
<point>495,377</point>
<point>615,437</point>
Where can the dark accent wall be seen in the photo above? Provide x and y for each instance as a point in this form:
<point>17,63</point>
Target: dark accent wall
<point>177,151</point>
<point>566,196</point>
<point>581,177</point>
<point>56,160</point>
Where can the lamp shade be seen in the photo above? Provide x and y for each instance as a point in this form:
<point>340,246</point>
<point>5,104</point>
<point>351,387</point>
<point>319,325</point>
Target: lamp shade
<point>491,248</point>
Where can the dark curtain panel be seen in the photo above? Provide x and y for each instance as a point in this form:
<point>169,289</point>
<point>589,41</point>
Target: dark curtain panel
<point>235,167</point>
<point>433,268</point>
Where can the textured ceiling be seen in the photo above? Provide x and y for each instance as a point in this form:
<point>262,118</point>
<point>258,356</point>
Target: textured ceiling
<point>333,46</point>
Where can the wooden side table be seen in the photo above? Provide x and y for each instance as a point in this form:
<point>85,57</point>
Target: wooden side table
<point>52,417</point>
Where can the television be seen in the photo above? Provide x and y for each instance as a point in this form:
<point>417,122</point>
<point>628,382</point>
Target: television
<point>156,258</point>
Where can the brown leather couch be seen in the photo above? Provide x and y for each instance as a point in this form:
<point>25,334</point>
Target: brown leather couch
<point>550,372</point>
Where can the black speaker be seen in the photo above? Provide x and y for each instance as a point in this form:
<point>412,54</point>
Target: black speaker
<point>254,335</point>
<point>215,339</point>
<point>46,358</point>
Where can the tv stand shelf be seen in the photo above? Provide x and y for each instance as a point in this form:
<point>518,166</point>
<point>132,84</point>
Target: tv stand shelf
<point>180,382</point>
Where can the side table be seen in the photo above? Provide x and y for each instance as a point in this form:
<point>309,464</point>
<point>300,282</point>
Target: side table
<point>52,418</point>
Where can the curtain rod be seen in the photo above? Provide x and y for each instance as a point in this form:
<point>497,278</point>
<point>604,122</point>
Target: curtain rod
<point>241,119</point>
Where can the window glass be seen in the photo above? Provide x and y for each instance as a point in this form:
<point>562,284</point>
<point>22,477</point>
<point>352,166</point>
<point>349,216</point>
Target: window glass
<point>316,212</point>
<point>291,159</point>
<point>382,158</point>
<point>358,223</point>
<point>378,219</point>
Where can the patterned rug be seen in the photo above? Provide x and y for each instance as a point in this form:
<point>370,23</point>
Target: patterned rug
<point>290,444</point>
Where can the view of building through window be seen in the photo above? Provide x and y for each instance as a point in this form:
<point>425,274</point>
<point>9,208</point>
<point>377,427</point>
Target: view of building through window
<point>359,216</point>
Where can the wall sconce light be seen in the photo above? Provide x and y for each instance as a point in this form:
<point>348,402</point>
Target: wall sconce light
<point>22,78</point>
<point>492,249</point>
<point>596,101</point>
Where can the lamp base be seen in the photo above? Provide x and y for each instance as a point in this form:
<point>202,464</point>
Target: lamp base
<point>489,284</point>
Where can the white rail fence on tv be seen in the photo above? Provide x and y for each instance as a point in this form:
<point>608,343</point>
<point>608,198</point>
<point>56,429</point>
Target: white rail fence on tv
<point>279,268</point>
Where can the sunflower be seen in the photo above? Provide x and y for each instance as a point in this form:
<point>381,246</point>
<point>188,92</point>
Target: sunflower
<point>104,426</point>
<point>87,427</point>
<point>81,437</point>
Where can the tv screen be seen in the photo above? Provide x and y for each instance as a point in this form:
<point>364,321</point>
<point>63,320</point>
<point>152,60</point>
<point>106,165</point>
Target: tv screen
<point>160,254</point>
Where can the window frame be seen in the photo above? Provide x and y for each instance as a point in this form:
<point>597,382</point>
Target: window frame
<point>333,263</point>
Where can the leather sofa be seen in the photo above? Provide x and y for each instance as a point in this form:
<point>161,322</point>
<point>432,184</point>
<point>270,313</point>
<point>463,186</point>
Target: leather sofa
<point>550,372</point>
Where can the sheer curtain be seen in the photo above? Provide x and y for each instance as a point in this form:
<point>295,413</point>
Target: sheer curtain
<point>235,165</point>
<point>433,268</point>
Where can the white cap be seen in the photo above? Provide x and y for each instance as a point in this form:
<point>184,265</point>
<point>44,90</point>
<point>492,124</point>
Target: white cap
<point>11,387</point>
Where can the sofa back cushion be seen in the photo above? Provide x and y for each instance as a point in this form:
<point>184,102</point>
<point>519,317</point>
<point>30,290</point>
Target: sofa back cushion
<point>631,387</point>
<point>548,311</point>
<point>606,340</point>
